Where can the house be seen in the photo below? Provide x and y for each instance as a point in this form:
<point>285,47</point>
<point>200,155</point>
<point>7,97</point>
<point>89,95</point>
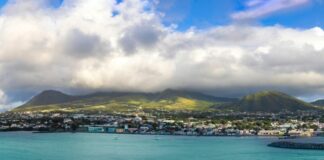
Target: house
<point>67,120</point>
<point>307,132</point>
<point>94,129</point>
<point>78,116</point>
<point>269,133</point>
<point>111,129</point>
<point>132,130</point>
<point>120,130</point>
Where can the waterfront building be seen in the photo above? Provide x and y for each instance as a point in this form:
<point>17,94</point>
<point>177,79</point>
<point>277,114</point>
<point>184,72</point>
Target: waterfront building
<point>270,133</point>
<point>111,130</point>
<point>94,129</point>
<point>120,130</point>
<point>132,130</point>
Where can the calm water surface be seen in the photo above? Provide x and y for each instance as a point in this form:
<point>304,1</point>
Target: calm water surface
<point>83,146</point>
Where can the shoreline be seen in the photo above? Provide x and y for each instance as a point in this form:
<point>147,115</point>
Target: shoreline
<point>269,136</point>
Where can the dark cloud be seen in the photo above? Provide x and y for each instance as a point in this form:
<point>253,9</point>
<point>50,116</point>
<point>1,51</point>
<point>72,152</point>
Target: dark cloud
<point>79,44</point>
<point>139,36</point>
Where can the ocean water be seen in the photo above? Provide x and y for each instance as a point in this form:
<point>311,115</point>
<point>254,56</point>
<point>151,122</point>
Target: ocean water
<point>86,146</point>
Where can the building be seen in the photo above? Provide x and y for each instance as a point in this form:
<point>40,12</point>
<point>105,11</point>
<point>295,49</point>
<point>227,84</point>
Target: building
<point>93,129</point>
<point>270,133</point>
<point>111,130</point>
<point>120,130</point>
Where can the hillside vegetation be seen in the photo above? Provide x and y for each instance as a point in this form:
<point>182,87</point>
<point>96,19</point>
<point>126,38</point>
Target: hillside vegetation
<point>271,101</point>
<point>168,100</point>
<point>319,103</point>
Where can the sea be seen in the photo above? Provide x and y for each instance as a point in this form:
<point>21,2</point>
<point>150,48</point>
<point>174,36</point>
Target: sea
<point>94,146</point>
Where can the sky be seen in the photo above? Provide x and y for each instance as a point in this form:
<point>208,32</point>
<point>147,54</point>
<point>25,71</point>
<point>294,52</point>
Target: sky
<point>219,47</point>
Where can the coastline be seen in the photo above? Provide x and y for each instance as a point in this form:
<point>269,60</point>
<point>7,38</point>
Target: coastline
<point>274,141</point>
<point>157,134</point>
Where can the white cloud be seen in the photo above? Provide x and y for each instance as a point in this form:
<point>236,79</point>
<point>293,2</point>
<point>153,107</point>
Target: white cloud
<point>82,45</point>
<point>4,105</point>
<point>259,8</point>
<point>252,3</point>
<point>3,97</point>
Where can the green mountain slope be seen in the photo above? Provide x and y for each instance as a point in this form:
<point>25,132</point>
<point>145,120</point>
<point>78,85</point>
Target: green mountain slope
<point>168,100</point>
<point>50,97</point>
<point>271,101</point>
<point>318,102</point>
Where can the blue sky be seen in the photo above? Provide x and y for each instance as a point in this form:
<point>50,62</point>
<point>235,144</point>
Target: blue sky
<point>53,3</point>
<point>2,2</point>
<point>208,13</point>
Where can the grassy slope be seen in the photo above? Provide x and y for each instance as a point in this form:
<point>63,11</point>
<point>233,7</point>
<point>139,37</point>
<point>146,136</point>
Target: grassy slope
<point>266,101</point>
<point>270,101</point>
<point>124,104</point>
<point>319,103</point>
<point>168,100</point>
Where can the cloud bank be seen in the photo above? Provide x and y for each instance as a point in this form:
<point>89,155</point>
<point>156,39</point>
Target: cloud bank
<point>104,45</point>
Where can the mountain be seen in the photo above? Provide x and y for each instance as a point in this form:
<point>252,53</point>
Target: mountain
<point>170,93</point>
<point>168,100</point>
<point>49,97</point>
<point>318,102</point>
<point>271,101</point>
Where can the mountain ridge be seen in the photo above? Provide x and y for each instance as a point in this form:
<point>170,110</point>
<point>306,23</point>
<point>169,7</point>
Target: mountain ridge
<point>169,99</point>
<point>49,97</point>
<point>271,101</point>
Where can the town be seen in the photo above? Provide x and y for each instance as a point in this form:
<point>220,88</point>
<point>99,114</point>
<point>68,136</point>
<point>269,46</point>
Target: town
<point>222,124</point>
